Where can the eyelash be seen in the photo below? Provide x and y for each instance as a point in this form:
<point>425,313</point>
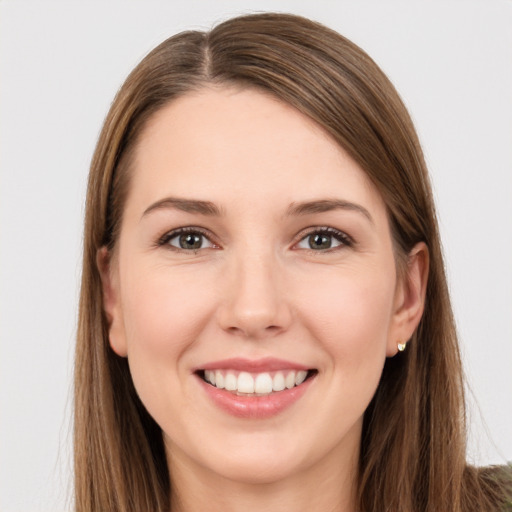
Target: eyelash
<point>168,236</point>
<point>344,239</point>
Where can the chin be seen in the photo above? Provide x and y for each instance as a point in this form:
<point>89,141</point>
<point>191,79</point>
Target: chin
<point>261,470</point>
<point>251,458</point>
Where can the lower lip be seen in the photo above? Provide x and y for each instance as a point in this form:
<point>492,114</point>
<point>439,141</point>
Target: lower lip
<point>256,407</point>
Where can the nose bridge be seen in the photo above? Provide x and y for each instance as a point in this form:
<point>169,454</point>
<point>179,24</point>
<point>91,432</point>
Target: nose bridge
<point>254,304</point>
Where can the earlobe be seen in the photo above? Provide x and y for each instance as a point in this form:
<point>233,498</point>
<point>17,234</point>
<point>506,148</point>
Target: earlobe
<point>111,302</point>
<point>409,299</point>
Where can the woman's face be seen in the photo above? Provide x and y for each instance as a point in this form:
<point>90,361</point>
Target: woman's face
<point>256,254</point>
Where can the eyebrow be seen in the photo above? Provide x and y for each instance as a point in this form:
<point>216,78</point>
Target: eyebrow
<point>327,205</point>
<point>302,208</point>
<point>185,205</point>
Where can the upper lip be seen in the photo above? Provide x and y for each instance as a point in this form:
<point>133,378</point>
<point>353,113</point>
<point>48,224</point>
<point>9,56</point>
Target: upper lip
<point>266,364</point>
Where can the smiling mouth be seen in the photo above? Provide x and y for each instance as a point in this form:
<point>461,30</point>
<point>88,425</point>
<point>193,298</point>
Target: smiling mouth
<point>248,384</point>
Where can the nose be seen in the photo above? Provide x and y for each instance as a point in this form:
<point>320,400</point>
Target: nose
<point>254,303</point>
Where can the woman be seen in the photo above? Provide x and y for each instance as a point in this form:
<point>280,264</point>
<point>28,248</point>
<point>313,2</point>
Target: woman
<point>264,317</point>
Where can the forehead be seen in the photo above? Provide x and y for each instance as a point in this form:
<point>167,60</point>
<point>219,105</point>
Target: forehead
<point>227,144</point>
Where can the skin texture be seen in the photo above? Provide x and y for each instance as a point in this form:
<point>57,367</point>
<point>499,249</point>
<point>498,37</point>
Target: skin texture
<point>256,289</point>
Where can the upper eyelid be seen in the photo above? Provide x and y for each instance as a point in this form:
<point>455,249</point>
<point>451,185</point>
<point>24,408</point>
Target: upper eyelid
<point>323,229</point>
<point>168,235</point>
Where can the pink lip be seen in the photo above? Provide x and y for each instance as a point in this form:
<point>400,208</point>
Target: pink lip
<point>254,407</point>
<point>267,364</point>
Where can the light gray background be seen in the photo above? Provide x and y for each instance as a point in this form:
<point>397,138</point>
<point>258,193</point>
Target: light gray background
<point>61,64</point>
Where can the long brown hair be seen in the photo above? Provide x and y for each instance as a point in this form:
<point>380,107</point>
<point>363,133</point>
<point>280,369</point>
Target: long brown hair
<point>413,446</point>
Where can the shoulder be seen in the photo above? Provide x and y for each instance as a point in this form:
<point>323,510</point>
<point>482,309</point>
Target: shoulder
<point>500,479</point>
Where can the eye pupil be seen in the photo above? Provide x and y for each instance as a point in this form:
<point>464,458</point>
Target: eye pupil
<point>191,241</point>
<point>320,241</point>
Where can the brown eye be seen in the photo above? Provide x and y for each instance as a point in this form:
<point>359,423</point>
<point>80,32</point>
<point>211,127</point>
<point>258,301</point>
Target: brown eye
<point>186,240</point>
<point>191,241</point>
<point>319,241</point>
<point>324,239</point>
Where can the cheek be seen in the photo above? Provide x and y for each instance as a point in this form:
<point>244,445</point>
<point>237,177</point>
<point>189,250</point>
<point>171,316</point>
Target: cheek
<point>350,312</point>
<point>164,310</point>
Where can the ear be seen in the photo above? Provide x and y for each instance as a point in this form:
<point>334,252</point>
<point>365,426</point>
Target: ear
<point>111,301</point>
<point>409,300</point>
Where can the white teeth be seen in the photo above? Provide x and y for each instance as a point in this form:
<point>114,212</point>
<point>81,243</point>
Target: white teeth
<point>301,377</point>
<point>290,380</point>
<point>210,376</point>
<point>230,382</point>
<point>263,383</point>
<point>219,379</point>
<point>278,383</point>
<point>245,383</point>
<point>260,384</point>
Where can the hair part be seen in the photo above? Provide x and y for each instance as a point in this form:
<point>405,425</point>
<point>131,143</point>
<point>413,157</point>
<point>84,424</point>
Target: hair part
<point>413,445</point>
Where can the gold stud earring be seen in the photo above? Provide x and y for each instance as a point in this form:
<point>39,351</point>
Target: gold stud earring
<point>401,347</point>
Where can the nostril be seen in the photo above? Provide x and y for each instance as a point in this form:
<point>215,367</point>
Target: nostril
<point>252,312</point>
<point>251,332</point>
<point>235,330</point>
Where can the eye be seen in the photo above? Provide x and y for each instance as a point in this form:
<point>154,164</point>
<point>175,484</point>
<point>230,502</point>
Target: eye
<point>324,239</point>
<point>186,239</point>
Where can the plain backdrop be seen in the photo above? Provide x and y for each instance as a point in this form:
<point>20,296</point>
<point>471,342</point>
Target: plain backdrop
<point>60,66</point>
